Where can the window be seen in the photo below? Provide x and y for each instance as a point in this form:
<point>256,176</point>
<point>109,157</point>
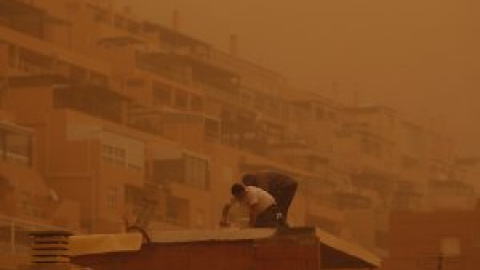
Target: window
<point>78,74</point>
<point>12,56</point>
<point>370,146</point>
<point>123,151</point>
<point>319,113</point>
<point>100,17</point>
<point>331,115</point>
<point>196,172</point>
<point>162,94</point>
<point>133,27</point>
<point>16,147</point>
<point>212,130</point>
<point>98,79</point>
<point>119,156</point>
<point>112,197</point>
<point>114,155</point>
<point>410,163</point>
<point>135,83</point>
<point>187,170</point>
<point>119,22</point>
<point>168,170</point>
<point>25,203</point>
<point>181,100</point>
<point>107,153</point>
<point>178,211</point>
<point>260,102</point>
<point>196,104</point>
<point>247,99</point>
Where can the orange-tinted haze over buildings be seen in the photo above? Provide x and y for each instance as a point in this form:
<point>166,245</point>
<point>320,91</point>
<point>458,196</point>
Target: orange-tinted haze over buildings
<point>419,56</point>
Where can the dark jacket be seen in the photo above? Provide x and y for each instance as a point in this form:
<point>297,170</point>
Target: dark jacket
<point>273,181</point>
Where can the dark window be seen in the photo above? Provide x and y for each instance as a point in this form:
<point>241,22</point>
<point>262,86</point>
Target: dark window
<point>178,212</point>
<point>133,27</point>
<point>98,103</point>
<point>78,74</point>
<point>181,100</point>
<point>188,170</point>
<point>162,94</point>
<point>119,22</point>
<point>196,104</point>
<point>169,170</point>
<point>135,83</point>
<point>320,113</point>
<point>16,147</point>
<point>12,54</point>
<point>212,130</point>
<point>196,172</point>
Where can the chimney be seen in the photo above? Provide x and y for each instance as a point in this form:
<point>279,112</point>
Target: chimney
<point>233,45</point>
<point>176,20</point>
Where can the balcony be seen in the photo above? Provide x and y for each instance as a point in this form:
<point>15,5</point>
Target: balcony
<point>164,65</point>
<point>376,120</point>
<point>172,165</point>
<point>407,196</point>
<point>239,129</point>
<point>452,186</point>
<point>93,100</point>
<point>146,119</point>
<point>301,155</point>
<point>22,17</point>
<point>351,200</point>
<point>452,194</point>
<point>177,43</point>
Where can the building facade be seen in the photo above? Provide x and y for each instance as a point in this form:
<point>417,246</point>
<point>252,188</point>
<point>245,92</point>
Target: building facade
<point>111,120</point>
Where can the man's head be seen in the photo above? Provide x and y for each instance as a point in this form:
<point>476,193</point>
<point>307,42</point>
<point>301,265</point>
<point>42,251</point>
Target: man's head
<point>238,190</point>
<point>249,180</point>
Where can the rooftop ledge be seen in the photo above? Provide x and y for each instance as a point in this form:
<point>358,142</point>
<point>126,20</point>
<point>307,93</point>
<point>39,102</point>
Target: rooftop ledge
<point>338,253</point>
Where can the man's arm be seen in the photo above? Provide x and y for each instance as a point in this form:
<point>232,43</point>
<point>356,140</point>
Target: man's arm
<point>226,209</point>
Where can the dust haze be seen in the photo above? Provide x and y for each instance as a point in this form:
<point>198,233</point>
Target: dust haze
<point>219,126</point>
<point>420,57</point>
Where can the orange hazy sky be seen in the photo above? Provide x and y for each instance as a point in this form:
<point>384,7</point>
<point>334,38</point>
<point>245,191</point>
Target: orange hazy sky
<point>419,56</point>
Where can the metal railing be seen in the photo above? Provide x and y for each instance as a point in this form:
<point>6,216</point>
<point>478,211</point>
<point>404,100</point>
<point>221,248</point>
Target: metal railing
<point>14,234</point>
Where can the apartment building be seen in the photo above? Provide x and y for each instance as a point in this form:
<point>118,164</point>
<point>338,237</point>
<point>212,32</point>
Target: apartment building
<point>131,122</point>
<point>446,239</point>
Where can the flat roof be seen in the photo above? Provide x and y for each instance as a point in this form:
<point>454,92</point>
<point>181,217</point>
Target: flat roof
<point>340,253</point>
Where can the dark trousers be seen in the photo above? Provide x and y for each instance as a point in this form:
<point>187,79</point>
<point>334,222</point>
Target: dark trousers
<point>284,198</point>
<point>270,218</point>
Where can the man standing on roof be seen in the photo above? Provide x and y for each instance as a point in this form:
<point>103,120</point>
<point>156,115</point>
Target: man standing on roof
<point>263,210</point>
<point>280,186</point>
